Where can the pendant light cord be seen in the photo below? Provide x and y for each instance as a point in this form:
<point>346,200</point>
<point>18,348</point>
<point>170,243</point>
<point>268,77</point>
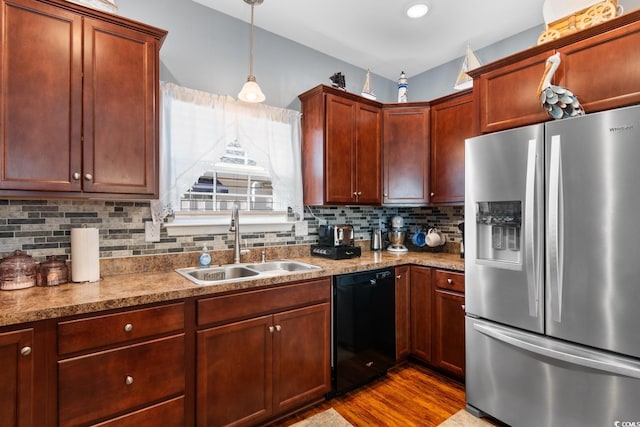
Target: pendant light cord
<point>251,45</point>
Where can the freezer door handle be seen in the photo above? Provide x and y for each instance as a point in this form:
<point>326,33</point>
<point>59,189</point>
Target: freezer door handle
<point>531,258</point>
<point>561,352</point>
<point>555,246</point>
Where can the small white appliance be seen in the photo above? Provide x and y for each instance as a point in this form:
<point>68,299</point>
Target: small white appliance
<point>396,235</point>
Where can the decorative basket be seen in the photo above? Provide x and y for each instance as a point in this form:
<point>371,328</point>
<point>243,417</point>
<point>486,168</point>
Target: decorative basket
<point>105,5</point>
<point>581,20</point>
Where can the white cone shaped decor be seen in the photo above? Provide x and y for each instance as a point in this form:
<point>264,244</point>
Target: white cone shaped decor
<point>470,62</point>
<point>251,92</point>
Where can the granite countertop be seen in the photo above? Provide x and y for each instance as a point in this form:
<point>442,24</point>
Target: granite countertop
<point>130,290</point>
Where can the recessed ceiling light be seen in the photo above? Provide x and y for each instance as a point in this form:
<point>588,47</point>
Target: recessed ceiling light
<point>417,10</point>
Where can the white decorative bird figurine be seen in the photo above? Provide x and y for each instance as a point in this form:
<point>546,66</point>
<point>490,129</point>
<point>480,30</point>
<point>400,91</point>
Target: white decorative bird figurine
<point>558,101</point>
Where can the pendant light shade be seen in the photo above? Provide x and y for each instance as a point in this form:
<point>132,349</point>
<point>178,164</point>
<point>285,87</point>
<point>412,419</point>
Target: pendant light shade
<point>251,91</point>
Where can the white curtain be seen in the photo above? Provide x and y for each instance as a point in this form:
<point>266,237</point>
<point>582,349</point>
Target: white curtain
<point>196,127</point>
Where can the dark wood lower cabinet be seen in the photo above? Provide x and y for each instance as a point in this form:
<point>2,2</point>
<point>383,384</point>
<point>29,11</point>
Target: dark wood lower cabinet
<point>403,304</point>
<point>437,318</point>
<point>421,313</point>
<point>16,380</point>
<point>448,333</point>
<point>250,370</point>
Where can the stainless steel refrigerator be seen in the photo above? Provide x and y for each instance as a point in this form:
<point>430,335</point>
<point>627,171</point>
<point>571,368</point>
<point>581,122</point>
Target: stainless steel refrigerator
<point>552,270</point>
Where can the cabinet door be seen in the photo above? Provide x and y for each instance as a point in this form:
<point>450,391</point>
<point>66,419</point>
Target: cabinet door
<point>120,114</point>
<point>340,156</point>
<point>368,155</point>
<point>16,380</point>
<point>451,124</point>
<point>406,153</point>
<point>403,328</point>
<point>421,312</point>
<point>41,102</point>
<point>301,356</point>
<point>234,373</point>
<point>600,72</point>
<point>507,96</point>
<point>449,331</point>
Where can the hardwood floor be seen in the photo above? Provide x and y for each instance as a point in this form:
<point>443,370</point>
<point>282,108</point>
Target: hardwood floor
<point>410,395</point>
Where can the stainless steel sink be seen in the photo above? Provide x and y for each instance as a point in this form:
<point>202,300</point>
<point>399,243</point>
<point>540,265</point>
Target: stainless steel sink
<point>206,276</point>
<point>283,266</point>
<point>227,273</point>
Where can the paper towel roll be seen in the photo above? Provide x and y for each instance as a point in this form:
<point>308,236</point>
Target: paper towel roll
<point>85,255</point>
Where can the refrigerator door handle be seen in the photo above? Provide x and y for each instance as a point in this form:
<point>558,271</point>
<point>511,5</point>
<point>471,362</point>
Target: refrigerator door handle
<point>531,258</point>
<point>561,352</point>
<point>555,246</point>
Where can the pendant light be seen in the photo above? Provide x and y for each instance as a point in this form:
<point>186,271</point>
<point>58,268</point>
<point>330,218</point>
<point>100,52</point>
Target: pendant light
<point>251,92</point>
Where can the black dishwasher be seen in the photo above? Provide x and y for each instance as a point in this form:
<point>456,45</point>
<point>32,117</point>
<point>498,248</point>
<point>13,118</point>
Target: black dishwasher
<point>364,328</point>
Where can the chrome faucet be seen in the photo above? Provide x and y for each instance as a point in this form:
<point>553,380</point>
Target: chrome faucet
<point>235,227</point>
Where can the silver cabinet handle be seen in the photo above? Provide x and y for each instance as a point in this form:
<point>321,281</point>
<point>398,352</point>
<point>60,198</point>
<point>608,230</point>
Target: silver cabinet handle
<point>464,307</point>
<point>271,329</point>
<point>449,281</point>
<point>128,327</point>
<point>359,193</point>
<point>88,176</point>
<point>278,328</point>
<point>399,276</point>
<point>76,176</point>
<point>432,194</point>
<point>25,351</point>
<point>386,194</point>
<point>128,380</point>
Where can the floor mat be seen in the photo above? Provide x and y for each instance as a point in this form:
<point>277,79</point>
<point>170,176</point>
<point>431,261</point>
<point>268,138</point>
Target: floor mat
<point>464,419</point>
<point>328,418</point>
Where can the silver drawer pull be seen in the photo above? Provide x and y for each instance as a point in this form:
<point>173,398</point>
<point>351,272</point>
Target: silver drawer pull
<point>271,329</point>
<point>128,380</point>
<point>449,281</point>
<point>278,328</point>
<point>25,351</point>
<point>128,327</point>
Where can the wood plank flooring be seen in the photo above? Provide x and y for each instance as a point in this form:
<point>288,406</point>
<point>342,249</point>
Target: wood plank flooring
<point>410,395</point>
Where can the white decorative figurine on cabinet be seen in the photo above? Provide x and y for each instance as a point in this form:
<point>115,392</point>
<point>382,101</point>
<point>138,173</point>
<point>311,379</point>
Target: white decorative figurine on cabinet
<point>402,88</point>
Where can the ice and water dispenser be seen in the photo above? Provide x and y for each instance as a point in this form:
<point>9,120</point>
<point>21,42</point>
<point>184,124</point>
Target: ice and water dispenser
<point>499,225</point>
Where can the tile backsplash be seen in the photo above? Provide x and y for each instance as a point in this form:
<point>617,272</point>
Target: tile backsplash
<point>43,227</point>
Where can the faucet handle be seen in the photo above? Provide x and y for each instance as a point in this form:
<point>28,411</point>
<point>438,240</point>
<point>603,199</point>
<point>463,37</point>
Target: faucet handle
<point>263,256</point>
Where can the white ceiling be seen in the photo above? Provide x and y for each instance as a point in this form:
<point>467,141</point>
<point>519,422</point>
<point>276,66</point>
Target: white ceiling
<point>376,34</point>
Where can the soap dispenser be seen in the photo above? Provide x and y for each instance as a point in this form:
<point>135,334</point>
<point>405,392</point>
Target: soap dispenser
<point>204,260</point>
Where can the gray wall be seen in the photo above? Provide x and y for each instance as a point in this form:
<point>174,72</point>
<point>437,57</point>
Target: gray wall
<point>209,51</point>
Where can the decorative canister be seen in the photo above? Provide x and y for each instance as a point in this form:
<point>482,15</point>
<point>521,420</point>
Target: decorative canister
<point>52,272</point>
<point>17,271</point>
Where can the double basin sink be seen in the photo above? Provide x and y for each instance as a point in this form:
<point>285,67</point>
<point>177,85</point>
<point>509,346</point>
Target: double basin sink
<point>226,273</point>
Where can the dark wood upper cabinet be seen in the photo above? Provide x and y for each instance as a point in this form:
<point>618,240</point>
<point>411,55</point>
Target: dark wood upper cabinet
<point>79,105</point>
<point>341,148</point>
<point>451,123</point>
<point>406,154</point>
<point>604,70</point>
<point>507,96</point>
<point>599,65</point>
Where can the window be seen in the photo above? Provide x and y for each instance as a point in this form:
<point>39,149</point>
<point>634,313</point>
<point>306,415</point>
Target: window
<point>217,151</point>
<point>235,179</point>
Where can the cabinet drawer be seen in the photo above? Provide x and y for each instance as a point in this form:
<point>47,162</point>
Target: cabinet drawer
<point>99,331</point>
<point>449,280</point>
<point>112,382</point>
<point>165,414</point>
<point>256,303</point>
